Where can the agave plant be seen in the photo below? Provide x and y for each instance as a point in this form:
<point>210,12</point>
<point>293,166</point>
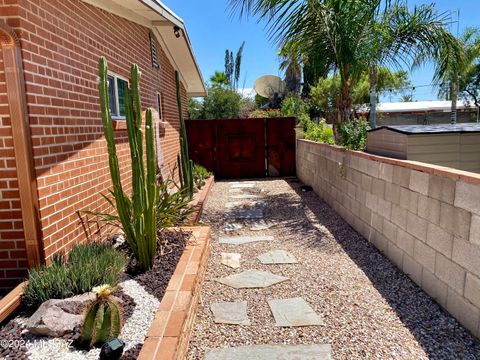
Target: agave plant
<point>136,213</point>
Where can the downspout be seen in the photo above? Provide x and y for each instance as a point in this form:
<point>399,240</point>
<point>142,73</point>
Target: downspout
<point>17,104</point>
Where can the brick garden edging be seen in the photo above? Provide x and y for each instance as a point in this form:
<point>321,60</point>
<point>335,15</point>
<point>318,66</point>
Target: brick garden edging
<point>170,331</point>
<point>202,197</point>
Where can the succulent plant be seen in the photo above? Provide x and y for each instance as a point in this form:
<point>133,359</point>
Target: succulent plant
<point>103,318</point>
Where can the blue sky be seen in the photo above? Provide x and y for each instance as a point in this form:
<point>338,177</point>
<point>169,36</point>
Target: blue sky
<point>212,30</point>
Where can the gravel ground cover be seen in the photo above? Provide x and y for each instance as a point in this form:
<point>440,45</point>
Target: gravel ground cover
<point>140,294</point>
<point>370,309</point>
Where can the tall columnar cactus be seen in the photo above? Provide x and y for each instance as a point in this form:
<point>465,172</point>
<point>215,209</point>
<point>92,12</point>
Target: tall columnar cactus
<point>138,213</point>
<point>185,165</point>
<point>103,318</point>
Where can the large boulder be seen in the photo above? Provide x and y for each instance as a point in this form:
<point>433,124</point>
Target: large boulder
<point>58,317</point>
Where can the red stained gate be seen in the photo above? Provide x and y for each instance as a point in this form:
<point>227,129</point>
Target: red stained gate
<point>243,148</point>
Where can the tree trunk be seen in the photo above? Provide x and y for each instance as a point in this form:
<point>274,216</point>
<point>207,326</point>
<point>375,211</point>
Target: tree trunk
<point>454,96</point>
<point>373,77</point>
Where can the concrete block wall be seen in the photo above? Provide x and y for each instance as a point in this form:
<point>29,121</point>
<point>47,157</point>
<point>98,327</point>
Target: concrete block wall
<point>424,218</point>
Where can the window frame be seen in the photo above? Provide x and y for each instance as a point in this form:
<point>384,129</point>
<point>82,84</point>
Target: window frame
<point>116,77</point>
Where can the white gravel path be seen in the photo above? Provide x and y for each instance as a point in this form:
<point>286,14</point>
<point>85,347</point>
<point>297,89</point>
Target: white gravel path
<point>133,332</point>
<point>370,309</point>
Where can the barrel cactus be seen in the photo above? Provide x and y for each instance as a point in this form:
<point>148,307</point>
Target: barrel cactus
<point>103,318</point>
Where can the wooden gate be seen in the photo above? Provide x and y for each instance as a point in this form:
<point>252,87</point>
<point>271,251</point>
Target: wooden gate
<point>243,148</point>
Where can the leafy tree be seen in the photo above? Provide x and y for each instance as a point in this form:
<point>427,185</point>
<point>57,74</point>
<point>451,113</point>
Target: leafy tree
<point>221,103</point>
<point>325,94</point>
<point>461,75</point>
<point>350,37</point>
<point>195,108</point>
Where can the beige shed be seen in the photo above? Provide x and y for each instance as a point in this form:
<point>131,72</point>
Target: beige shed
<point>456,146</point>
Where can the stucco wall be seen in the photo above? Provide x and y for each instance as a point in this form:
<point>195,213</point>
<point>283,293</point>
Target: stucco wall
<point>424,218</point>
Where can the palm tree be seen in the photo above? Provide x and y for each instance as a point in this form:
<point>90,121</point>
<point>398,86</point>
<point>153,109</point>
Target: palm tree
<point>352,36</point>
<point>219,78</point>
<point>398,35</point>
<point>458,69</point>
<point>291,63</point>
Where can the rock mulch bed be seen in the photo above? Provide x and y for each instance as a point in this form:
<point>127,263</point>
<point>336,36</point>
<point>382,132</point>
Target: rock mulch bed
<point>140,295</point>
<point>368,307</point>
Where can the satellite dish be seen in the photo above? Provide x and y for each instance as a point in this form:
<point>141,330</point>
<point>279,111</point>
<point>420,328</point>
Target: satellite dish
<point>269,86</point>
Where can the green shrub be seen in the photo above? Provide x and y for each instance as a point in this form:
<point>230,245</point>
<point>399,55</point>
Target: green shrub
<point>353,133</point>
<point>173,207</point>
<point>88,265</point>
<point>320,132</point>
<point>294,105</point>
<point>259,113</point>
<point>200,174</point>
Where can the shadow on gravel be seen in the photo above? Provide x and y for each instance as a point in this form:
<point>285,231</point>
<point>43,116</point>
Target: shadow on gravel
<point>439,334</point>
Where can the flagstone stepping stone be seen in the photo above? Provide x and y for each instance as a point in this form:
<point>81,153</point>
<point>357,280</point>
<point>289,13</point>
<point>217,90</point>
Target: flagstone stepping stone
<point>271,352</point>
<point>293,312</point>
<point>232,226</point>
<point>260,225</point>
<point>277,257</point>
<point>231,259</point>
<point>232,204</point>
<point>245,214</point>
<point>240,240</point>
<point>242,186</point>
<point>244,196</point>
<point>235,190</point>
<point>230,313</point>
<point>251,279</point>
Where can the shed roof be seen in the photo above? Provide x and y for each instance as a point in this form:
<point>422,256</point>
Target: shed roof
<point>432,129</point>
<point>418,106</point>
<point>158,17</point>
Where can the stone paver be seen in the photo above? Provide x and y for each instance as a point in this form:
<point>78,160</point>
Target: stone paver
<point>244,196</point>
<point>271,352</point>
<point>232,204</point>
<point>231,259</point>
<point>240,240</point>
<point>260,225</point>
<point>277,257</point>
<point>232,226</point>
<point>230,313</point>
<point>293,312</point>
<point>242,186</point>
<point>251,279</point>
<point>245,214</point>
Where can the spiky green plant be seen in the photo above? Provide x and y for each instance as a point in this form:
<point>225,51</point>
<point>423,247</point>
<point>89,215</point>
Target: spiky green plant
<point>103,318</point>
<point>137,214</point>
<point>185,165</point>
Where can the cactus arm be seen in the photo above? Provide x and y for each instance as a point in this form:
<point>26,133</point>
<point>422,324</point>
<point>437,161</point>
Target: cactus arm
<point>116,319</point>
<point>88,324</point>
<point>98,322</point>
<point>151,186</point>
<point>103,327</point>
<point>122,206</point>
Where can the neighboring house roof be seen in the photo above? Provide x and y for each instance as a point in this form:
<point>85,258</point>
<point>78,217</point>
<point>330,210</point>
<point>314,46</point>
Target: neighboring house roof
<point>431,129</point>
<point>418,106</point>
<point>155,15</point>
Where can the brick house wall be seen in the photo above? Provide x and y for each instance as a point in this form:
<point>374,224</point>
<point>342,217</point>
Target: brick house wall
<point>61,42</point>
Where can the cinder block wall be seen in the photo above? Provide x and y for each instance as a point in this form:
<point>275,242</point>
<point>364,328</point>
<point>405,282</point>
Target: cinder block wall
<point>424,218</point>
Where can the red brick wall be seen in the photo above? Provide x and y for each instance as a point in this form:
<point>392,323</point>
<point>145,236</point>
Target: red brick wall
<point>61,42</point>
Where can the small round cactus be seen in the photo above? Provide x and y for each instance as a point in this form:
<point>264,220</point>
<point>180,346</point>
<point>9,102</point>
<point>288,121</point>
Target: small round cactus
<point>103,318</point>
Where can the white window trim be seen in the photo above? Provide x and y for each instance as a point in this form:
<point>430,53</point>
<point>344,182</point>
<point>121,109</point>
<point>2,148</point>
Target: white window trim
<point>115,91</point>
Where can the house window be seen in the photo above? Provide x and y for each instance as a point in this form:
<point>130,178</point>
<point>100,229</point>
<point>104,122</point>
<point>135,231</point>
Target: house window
<point>116,91</point>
